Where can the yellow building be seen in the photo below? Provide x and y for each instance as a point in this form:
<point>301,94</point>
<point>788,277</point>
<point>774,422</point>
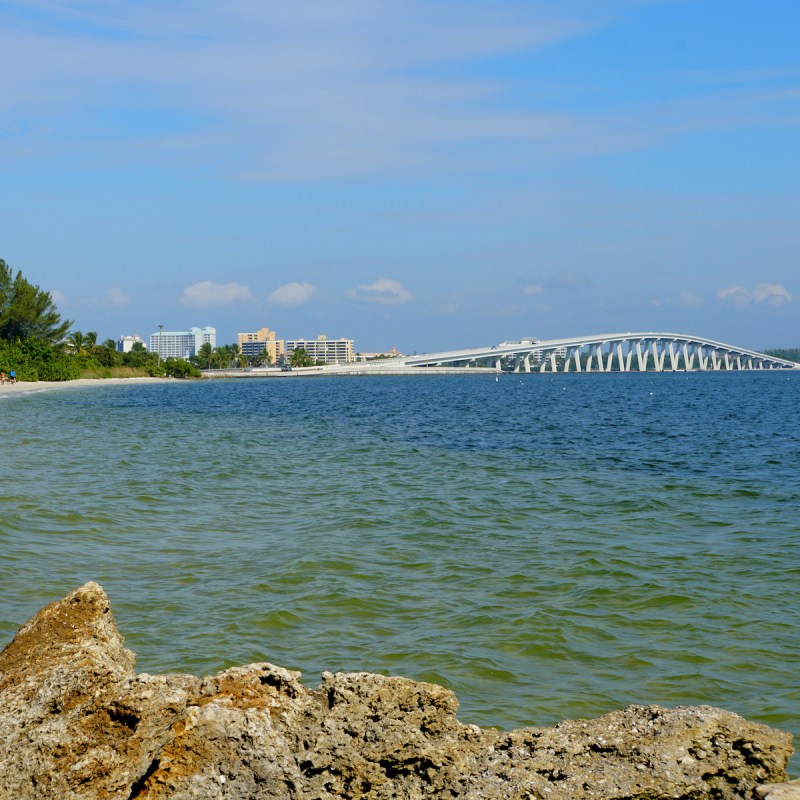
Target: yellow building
<point>251,344</point>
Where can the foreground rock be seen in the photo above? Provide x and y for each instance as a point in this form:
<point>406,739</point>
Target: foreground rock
<point>76,721</point>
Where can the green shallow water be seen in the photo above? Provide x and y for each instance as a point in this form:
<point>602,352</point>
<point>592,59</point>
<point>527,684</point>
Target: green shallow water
<point>546,546</point>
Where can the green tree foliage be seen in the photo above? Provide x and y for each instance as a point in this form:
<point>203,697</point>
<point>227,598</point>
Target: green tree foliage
<point>300,358</point>
<point>36,360</point>
<point>787,353</point>
<point>179,368</point>
<point>76,343</point>
<point>26,311</point>
<point>206,355</point>
<point>261,359</point>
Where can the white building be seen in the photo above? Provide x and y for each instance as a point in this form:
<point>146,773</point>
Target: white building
<point>125,343</point>
<point>182,344</point>
<point>331,351</point>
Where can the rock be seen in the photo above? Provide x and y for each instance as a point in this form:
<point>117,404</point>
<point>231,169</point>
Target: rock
<point>779,791</point>
<point>76,721</point>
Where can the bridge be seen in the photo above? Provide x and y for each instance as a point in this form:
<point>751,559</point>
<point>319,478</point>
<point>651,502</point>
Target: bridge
<point>610,352</point>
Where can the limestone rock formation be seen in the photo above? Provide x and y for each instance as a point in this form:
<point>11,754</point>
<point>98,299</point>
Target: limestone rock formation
<point>76,721</point>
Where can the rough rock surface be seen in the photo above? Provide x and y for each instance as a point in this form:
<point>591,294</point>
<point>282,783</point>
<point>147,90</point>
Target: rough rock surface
<point>76,721</point>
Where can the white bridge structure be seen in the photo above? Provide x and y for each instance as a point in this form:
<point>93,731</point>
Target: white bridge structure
<point>610,352</point>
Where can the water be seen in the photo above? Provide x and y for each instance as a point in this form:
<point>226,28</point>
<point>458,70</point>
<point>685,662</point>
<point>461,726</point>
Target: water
<point>547,546</point>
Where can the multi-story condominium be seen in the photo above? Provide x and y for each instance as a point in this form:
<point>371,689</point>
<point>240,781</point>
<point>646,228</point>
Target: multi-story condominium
<point>253,344</point>
<point>331,351</point>
<point>125,343</point>
<point>182,344</point>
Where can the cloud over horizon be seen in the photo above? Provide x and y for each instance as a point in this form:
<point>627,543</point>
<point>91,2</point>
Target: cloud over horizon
<point>293,294</point>
<point>207,294</point>
<point>773,294</point>
<point>115,297</point>
<point>384,291</point>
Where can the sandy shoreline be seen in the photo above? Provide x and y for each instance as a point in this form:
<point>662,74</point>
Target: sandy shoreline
<point>32,387</point>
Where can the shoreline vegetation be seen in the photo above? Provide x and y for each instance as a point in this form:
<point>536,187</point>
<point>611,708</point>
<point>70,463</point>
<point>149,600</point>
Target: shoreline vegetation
<point>39,346</point>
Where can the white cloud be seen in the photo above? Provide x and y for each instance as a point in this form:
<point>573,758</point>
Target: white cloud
<point>116,297</point>
<point>59,298</point>
<point>276,90</point>
<point>208,293</point>
<point>737,295</point>
<point>385,291</point>
<point>532,290</point>
<point>690,299</point>
<point>773,294</point>
<point>293,294</point>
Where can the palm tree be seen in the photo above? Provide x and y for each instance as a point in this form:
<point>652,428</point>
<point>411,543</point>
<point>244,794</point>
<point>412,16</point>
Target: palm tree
<point>91,342</point>
<point>206,354</point>
<point>237,358</point>
<point>76,343</point>
<point>300,358</point>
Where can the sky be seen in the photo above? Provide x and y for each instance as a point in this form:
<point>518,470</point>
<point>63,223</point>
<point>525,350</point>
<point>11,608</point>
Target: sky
<point>424,174</point>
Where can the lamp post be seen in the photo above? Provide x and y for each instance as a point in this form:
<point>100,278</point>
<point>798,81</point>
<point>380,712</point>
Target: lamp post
<point>160,342</point>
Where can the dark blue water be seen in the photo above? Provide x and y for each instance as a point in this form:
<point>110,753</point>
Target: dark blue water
<point>548,546</point>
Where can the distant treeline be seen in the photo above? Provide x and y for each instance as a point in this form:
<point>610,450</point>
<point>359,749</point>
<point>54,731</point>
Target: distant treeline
<point>36,345</point>
<point>787,353</point>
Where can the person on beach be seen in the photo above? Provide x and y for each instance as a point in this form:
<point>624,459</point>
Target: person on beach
<point>12,376</point>
<point>2,377</point>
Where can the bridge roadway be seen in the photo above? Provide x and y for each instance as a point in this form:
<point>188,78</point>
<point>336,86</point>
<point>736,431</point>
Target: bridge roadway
<point>623,352</point>
<point>611,352</point>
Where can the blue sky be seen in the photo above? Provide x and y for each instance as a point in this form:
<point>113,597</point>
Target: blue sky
<point>424,175</point>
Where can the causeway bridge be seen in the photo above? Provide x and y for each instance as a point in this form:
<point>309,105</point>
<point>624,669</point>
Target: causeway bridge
<point>610,352</point>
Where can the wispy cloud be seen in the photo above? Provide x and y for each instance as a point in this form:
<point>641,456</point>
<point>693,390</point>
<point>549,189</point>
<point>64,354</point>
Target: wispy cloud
<point>293,294</point>
<point>384,291</point>
<point>773,294</point>
<point>207,294</point>
<point>532,290</point>
<point>114,296</point>
<point>277,90</point>
<point>690,299</point>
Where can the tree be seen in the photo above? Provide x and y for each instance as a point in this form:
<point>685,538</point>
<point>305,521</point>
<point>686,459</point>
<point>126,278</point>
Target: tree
<point>259,359</point>
<point>237,359</point>
<point>76,343</point>
<point>300,358</point>
<point>26,311</point>
<point>206,354</point>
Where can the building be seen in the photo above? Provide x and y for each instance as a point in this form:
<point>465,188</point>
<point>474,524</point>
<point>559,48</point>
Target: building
<point>182,344</point>
<point>253,344</point>
<point>331,351</point>
<point>393,353</point>
<point>125,343</point>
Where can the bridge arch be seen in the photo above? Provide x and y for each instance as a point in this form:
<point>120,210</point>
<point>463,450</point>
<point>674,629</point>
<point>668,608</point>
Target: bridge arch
<point>615,352</point>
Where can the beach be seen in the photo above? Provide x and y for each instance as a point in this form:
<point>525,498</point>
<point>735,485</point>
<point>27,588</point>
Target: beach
<point>31,387</point>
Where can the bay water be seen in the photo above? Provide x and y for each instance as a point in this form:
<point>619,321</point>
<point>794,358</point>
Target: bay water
<point>547,546</point>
